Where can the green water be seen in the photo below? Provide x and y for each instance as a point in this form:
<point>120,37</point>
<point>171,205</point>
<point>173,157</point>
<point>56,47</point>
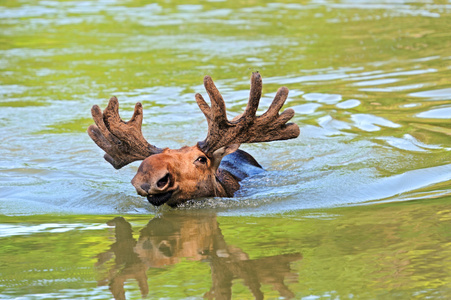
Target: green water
<point>357,207</point>
<point>398,251</point>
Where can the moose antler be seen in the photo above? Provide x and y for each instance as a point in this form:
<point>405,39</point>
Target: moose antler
<point>122,141</point>
<point>247,127</point>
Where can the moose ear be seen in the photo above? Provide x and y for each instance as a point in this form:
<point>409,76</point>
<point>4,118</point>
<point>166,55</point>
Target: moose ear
<point>221,152</point>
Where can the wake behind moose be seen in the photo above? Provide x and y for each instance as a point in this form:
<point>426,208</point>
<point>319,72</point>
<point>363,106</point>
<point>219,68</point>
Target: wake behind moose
<point>211,168</point>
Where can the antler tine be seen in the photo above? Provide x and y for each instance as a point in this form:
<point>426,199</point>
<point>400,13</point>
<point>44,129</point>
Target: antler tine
<point>254,95</point>
<point>246,128</point>
<point>216,114</point>
<point>277,103</point>
<point>122,141</point>
<point>204,107</point>
<point>218,111</point>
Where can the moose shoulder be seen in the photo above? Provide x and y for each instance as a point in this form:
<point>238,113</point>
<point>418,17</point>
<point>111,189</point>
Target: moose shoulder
<point>212,167</point>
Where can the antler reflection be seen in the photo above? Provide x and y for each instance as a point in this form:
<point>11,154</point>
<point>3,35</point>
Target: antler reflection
<point>168,239</point>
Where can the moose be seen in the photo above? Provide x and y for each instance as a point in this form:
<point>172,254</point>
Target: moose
<point>211,168</point>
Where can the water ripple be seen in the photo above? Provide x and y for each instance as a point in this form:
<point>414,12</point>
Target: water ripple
<point>369,122</point>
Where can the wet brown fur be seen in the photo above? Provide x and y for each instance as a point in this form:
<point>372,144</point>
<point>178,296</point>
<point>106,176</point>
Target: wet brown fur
<point>189,178</point>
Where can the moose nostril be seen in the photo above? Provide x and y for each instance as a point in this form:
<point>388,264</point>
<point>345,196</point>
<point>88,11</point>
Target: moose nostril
<point>163,181</point>
<point>145,187</point>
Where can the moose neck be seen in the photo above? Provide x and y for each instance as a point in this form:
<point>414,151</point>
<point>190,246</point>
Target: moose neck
<point>234,168</point>
<point>226,184</point>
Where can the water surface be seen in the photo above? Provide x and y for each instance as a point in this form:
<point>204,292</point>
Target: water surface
<point>363,193</point>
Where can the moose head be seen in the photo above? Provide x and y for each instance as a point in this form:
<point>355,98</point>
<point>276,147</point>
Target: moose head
<point>175,176</point>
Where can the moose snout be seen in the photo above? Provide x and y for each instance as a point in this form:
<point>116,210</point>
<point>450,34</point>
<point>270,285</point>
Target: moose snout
<point>145,187</point>
<point>153,185</point>
<point>164,182</point>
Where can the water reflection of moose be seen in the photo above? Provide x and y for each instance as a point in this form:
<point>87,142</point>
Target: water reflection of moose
<point>168,239</point>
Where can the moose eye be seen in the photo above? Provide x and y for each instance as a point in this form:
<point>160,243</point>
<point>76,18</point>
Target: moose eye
<point>202,159</point>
